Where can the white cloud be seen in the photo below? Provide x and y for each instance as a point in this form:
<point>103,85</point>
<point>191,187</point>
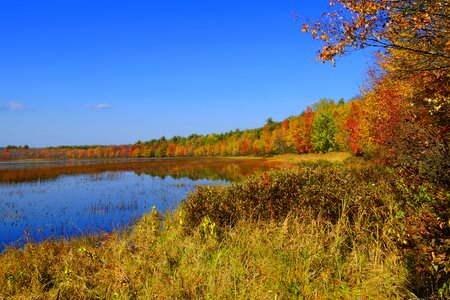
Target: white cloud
<point>13,106</point>
<point>99,106</point>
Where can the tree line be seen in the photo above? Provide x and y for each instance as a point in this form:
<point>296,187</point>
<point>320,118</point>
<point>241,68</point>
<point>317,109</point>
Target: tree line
<point>324,126</point>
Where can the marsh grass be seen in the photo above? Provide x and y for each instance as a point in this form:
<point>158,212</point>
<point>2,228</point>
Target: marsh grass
<point>330,157</point>
<point>325,190</point>
<point>301,257</point>
<point>323,232</point>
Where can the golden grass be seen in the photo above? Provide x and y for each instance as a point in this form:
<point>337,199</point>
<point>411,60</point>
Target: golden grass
<point>300,258</point>
<point>333,157</point>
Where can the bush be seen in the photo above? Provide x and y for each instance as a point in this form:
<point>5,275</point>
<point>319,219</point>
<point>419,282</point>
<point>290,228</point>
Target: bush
<point>324,190</point>
<point>424,236</point>
<point>364,198</point>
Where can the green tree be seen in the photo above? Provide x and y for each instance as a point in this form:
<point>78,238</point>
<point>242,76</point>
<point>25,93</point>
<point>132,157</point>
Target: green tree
<point>323,132</point>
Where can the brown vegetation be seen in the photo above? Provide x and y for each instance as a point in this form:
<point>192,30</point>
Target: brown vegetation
<point>194,168</point>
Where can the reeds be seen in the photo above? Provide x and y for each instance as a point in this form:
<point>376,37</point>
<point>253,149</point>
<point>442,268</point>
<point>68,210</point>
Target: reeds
<point>322,232</point>
<point>301,257</point>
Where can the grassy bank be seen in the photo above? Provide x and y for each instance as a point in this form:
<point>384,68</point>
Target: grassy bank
<point>317,232</point>
<point>314,158</point>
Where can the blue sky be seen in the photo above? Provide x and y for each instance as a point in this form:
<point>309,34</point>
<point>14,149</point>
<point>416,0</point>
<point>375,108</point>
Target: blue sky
<point>78,72</point>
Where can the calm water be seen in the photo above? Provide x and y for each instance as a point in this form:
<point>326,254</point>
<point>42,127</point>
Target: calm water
<point>73,204</point>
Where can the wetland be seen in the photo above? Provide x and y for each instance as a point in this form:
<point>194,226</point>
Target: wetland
<point>41,200</point>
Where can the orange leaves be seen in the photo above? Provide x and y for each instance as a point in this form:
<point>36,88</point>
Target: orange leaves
<point>420,29</point>
<point>353,126</point>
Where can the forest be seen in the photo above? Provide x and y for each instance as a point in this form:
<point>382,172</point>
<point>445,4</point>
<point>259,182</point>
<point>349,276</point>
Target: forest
<point>323,127</point>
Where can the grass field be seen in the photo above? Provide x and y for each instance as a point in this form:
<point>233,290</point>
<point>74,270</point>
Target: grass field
<point>333,157</point>
<point>324,231</point>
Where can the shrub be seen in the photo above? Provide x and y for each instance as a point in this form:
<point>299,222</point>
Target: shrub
<point>424,236</point>
<point>324,190</point>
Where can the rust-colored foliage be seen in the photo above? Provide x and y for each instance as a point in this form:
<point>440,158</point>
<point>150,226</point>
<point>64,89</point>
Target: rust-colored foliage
<point>303,142</point>
<point>353,127</point>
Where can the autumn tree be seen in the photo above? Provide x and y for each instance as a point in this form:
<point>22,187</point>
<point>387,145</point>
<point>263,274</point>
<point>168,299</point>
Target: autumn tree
<point>418,27</point>
<point>353,126</point>
<point>406,111</point>
<point>303,143</point>
<point>341,138</point>
<point>266,138</point>
<point>278,143</point>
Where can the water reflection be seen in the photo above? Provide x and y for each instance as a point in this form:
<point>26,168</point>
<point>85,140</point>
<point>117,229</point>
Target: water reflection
<point>83,203</point>
<point>41,200</point>
<point>229,169</point>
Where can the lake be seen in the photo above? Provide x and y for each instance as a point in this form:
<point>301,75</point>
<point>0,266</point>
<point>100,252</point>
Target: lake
<point>54,199</point>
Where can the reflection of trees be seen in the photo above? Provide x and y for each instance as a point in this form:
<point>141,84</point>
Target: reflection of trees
<point>227,172</point>
<point>229,169</point>
<point>215,169</point>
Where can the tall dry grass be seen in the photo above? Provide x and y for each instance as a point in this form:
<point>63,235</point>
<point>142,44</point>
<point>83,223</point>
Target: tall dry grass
<point>299,258</point>
<point>323,232</point>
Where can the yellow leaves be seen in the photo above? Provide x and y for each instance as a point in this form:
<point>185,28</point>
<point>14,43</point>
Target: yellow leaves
<point>180,216</point>
<point>437,104</point>
<point>208,228</point>
<point>154,220</point>
<point>324,37</point>
<point>84,251</point>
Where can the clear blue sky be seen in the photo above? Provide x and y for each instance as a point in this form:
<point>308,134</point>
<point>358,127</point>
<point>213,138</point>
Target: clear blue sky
<point>113,72</point>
